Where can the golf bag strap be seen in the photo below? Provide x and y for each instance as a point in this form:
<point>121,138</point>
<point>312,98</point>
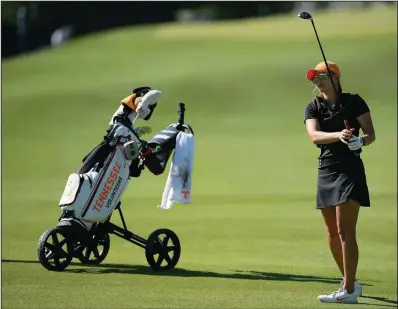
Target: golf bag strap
<point>110,131</point>
<point>100,152</point>
<point>97,155</point>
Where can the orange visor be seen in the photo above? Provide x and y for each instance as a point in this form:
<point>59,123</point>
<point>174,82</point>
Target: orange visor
<point>321,70</point>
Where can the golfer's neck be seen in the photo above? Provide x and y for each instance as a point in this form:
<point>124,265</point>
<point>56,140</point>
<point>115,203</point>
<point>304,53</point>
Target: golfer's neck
<point>329,97</point>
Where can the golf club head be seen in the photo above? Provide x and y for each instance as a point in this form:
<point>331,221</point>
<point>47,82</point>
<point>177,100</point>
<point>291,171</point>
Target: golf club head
<point>305,15</point>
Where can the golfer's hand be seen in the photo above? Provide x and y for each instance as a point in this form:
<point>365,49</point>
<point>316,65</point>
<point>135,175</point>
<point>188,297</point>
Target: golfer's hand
<point>355,142</point>
<point>345,135</point>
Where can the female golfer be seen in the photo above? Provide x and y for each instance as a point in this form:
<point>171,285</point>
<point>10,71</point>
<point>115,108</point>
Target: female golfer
<point>333,120</point>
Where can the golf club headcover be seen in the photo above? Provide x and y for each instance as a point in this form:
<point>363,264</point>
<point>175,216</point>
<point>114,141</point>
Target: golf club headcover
<point>156,162</point>
<point>151,109</point>
<point>165,140</point>
<point>158,150</point>
<point>130,102</point>
<point>141,91</point>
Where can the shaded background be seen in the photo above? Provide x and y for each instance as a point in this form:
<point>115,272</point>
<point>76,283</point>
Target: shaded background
<point>27,26</point>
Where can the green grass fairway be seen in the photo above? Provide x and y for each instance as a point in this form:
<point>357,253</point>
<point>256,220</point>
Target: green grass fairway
<point>252,237</point>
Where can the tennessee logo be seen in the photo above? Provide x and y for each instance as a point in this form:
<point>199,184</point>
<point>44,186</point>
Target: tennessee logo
<point>108,186</point>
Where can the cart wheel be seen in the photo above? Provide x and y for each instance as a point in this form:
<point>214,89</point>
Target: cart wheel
<point>95,250</point>
<point>54,249</point>
<point>162,250</point>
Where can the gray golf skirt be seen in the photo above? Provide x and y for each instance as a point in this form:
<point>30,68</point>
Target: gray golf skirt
<point>340,181</point>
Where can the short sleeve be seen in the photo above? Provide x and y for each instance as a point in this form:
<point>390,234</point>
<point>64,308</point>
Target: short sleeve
<point>310,112</point>
<point>359,107</point>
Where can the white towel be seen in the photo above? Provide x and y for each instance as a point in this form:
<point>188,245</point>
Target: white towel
<point>178,185</point>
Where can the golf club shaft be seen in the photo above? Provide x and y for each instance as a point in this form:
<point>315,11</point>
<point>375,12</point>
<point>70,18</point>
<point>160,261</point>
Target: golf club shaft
<point>324,57</point>
<point>136,117</point>
<point>346,124</point>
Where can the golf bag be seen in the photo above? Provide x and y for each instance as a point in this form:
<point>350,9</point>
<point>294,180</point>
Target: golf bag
<point>92,193</point>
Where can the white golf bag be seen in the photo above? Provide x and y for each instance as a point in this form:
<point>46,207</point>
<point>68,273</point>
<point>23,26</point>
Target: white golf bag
<point>93,195</point>
<point>93,192</point>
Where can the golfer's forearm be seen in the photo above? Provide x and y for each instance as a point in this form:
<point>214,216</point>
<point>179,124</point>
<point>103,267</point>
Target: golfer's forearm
<point>320,137</point>
<point>368,139</point>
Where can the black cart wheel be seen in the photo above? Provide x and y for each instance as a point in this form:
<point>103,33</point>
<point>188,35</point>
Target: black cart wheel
<point>162,250</point>
<point>54,249</point>
<point>95,250</point>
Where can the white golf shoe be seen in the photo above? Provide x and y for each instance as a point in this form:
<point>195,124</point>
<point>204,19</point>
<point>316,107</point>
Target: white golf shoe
<point>357,287</point>
<point>340,296</point>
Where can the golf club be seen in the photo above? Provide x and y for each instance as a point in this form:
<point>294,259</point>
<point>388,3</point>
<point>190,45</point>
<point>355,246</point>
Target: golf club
<point>306,15</point>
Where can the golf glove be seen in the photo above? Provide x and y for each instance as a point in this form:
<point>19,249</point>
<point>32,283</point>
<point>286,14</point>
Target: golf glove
<point>355,143</point>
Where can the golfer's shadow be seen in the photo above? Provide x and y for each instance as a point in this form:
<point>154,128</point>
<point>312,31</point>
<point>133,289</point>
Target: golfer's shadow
<point>180,272</point>
<point>381,299</point>
<point>106,268</point>
<point>247,275</point>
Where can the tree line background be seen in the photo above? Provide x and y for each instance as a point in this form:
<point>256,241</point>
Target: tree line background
<point>28,26</point>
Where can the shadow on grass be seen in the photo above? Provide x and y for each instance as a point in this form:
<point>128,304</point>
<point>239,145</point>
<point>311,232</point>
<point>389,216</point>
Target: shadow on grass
<point>106,268</point>
<point>180,272</point>
<point>393,303</point>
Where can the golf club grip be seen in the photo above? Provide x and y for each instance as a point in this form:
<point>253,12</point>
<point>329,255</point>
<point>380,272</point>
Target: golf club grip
<point>347,125</point>
<point>181,113</point>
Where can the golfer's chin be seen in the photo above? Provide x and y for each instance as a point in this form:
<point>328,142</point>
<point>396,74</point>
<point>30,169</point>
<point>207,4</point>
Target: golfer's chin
<point>322,88</point>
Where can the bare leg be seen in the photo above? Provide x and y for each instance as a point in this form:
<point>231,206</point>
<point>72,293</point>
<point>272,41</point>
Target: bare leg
<point>332,232</point>
<point>347,217</point>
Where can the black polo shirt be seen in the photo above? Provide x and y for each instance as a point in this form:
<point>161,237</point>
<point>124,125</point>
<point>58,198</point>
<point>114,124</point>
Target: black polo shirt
<point>332,120</point>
